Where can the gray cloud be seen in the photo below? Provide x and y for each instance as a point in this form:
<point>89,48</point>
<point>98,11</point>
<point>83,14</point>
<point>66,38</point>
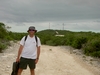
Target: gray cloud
<point>48,10</point>
<point>54,11</point>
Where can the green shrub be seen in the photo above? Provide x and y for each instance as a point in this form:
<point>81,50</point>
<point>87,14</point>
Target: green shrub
<point>8,38</point>
<point>51,43</point>
<point>95,54</point>
<point>69,39</point>
<point>78,42</point>
<point>92,47</point>
<point>2,46</point>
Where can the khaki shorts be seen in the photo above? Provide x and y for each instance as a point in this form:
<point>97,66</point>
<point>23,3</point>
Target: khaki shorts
<point>24,62</point>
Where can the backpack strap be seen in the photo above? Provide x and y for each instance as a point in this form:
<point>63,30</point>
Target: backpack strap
<point>35,39</point>
<point>25,38</point>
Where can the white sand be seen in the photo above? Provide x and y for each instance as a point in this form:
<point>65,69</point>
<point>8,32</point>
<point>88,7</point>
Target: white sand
<point>53,61</point>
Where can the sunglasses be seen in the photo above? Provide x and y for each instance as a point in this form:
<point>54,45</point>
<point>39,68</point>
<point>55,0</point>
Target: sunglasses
<point>31,30</point>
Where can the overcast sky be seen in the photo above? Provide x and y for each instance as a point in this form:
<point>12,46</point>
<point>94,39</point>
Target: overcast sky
<point>73,15</point>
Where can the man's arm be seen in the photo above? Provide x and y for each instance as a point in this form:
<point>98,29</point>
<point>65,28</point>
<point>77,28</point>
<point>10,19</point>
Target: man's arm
<point>19,53</point>
<point>38,54</point>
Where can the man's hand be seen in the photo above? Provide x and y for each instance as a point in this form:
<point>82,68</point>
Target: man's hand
<point>36,61</point>
<point>17,60</point>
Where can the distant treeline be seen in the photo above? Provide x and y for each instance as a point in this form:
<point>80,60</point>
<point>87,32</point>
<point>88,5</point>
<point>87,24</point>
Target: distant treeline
<point>89,42</point>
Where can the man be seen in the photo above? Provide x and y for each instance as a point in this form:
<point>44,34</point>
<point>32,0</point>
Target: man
<point>29,51</point>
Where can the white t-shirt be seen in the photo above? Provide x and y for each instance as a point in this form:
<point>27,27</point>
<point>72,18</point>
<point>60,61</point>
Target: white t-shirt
<point>30,48</point>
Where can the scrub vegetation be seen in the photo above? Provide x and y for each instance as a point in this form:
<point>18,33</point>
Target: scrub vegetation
<point>89,42</point>
<point>7,36</point>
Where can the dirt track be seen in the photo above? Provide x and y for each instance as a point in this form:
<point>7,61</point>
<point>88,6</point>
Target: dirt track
<point>53,61</point>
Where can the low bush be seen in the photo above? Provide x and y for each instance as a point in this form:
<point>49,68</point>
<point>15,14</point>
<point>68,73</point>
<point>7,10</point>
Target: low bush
<point>50,42</point>
<point>69,39</point>
<point>92,47</point>
<point>78,42</point>
<point>2,47</point>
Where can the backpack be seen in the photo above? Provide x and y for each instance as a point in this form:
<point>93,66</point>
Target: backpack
<point>35,39</point>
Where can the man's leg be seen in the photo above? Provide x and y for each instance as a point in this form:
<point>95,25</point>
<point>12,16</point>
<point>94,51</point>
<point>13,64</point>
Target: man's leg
<point>32,71</point>
<point>20,71</point>
<point>22,65</point>
<point>32,66</point>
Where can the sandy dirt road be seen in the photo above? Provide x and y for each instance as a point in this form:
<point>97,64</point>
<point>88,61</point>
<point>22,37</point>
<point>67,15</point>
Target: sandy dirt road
<point>53,61</point>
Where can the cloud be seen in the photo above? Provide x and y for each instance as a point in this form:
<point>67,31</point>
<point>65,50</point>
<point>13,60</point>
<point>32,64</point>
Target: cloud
<point>23,13</point>
<point>48,10</point>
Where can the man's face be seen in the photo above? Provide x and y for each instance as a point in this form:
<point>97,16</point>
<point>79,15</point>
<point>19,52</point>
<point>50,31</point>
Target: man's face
<point>31,32</point>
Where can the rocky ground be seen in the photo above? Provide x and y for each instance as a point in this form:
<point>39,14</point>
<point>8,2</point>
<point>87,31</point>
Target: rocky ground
<point>54,60</point>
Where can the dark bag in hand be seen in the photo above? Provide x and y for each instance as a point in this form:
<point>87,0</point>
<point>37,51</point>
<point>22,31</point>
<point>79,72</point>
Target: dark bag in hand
<point>15,68</point>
